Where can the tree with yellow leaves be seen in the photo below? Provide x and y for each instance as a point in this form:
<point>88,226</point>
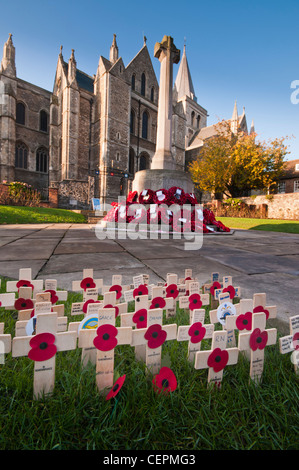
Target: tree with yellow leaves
<point>235,163</point>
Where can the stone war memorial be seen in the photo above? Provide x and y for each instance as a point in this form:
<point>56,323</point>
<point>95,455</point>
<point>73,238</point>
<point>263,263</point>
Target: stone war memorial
<point>158,328</point>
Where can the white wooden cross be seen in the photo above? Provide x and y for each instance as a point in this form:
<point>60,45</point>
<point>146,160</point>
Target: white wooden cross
<point>25,280</point>
<point>26,320</point>
<point>87,282</point>
<point>194,300</point>
<point>224,310</point>
<point>7,300</point>
<point>255,341</point>
<point>260,305</point>
<point>105,338</point>
<point>153,337</point>
<point>117,287</point>
<point>227,286</point>
<point>5,343</point>
<point>42,348</point>
<point>290,343</point>
<point>217,358</point>
<point>24,300</point>
<point>196,334</point>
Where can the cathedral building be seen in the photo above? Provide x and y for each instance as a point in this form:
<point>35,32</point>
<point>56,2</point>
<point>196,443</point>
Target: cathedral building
<point>91,134</point>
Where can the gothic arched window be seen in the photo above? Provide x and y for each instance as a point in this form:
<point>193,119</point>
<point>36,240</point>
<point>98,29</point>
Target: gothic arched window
<point>143,162</point>
<point>21,156</point>
<point>132,122</point>
<point>43,121</point>
<point>133,82</point>
<point>41,160</point>
<point>143,84</point>
<point>152,94</point>
<point>198,121</point>
<point>144,133</point>
<point>20,113</point>
<point>192,118</point>
<point>131,161</point>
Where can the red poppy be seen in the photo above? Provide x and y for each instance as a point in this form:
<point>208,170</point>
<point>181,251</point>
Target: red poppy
<point>172,291</point>
<point>140,318</point>
<point>296,341</point>
<point>106,338</point>
<point>141,290</point>
<point>158,302</point>
<point>165,381</point>
<point>218,359</point>
<point>118,289</point>
<point>177,195</point>
<point>259,309</point>
<point>24,283</point>
<point>23,304</point>
<point>258,339</point>
<point>90,301</point>
<point>113,306</point>
<point>87,283</point>
<point>155,336</point>
<point>147,196</point>
<point>196,332</point>
<point>162,196</point>
<point>194,301</point>
<point>42,347</point>
<point>116,387</point>
<point>231,290</point>
<point>244,321</point>
<point>54,297</point>
<point>216,285</point>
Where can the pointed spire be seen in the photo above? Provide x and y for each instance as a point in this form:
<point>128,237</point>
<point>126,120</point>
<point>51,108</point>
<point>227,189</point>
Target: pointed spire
<point>183,85</point>
<point>72,67</point>
<point>235,119</point>
<point>8,64</point>
<point>252,128</point>
<point>113,50</point>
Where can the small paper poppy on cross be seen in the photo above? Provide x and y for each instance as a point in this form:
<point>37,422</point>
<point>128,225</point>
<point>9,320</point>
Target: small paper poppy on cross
<point>259,309</point>
<point>141,290</point>
<point>87,283</point>
<point>231,290</point>
<point>90,301</point>
<point>165,381</point>
<point>24,283</point>
<point>194,301</point>
<point>196,332</point>
<point>172,291</point>
<point>42,347</point>
<point>54,297</point>
<point>215,285</point>
<point>23,304</point>
<point>155,336</point>
<point>116,387</point>
<point>218,359</point>
<point>296,341</point>
<point>140,318</point>
<point>118,289</point>
<point>258,339</point>
<point>115,308</point>
<point>244,321</point>
<point>158,302</point>
<point>106,338</point>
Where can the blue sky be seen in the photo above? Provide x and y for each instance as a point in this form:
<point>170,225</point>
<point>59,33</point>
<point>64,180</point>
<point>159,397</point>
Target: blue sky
<point>244,51</point>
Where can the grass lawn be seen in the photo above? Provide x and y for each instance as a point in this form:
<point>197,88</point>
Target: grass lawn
<point>38,215</point>
<point>238,416</point>
<point>271,225</point>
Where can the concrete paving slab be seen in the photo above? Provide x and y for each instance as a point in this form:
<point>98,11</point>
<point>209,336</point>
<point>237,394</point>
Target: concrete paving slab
<point>11,269</point>
<point>77,245</point>
<point>25,249</point>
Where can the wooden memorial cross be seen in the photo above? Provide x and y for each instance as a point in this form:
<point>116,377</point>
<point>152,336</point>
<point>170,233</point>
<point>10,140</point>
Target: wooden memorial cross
<point>5,343</point>
<point>137,319</point>
<point>87,282</point>
<point>7,300</point>
<point>195,332</point>
<point>227,286</point>
<point>24,300</point>
<point>290,343</point>
<point>217,358</point>
<point>25,280</point>
<point>158,300</point>
<point>260,305</point>
<point>224,310</point>
<point>255,341</point>
<point>42,348</point>
<point>27,318</point>
<point>153,337</point>
<point>195,300</point>
<point>105,338</point>
<point>116,287</point>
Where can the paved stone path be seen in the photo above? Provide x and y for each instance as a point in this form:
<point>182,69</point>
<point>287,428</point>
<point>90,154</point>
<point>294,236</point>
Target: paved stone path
<point>258,261</point>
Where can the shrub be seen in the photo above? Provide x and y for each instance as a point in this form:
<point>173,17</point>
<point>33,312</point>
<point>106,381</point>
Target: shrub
<point>21,194</point>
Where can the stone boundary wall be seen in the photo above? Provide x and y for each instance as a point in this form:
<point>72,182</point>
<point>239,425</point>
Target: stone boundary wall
<point>74,194</point>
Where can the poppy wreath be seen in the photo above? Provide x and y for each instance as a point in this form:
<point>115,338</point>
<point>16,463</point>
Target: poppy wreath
<point>140,318</point>
<point>172,291</point>
<point>155,336</point>
<point>196,332</point>
<point>166,216</point>
<point>157,302</point>
<point>141,290</point>
<point>209,217</point>
<point>177,195</point>
<point>132,197</point>
<point>162,197</point>
<point>218,359</point>
<point>259,309</point>
<point>87,283</point>
<point>191,199</point>
<point>106,338</point>
<point>147,196</point>
<point>221,226</point>
<point>23,304</point>
<point>182,221</point>
<point>153,214</point>
<point>244,321</point>
<point>258,339</point>
<point>116,388</point>
<point>231,290</point>
<point>42,347</point>
<point>194,302</point>
<point>165,381</point>
<point>24,283</point>
<point>139,216</point>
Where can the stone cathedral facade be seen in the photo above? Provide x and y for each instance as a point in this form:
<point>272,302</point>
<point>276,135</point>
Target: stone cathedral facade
<point>90,134</point>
